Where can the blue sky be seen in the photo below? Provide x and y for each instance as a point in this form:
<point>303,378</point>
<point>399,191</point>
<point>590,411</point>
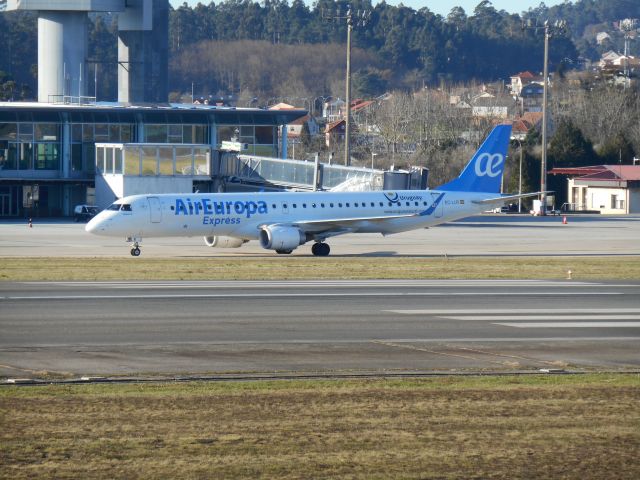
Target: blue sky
<point>443,7</point>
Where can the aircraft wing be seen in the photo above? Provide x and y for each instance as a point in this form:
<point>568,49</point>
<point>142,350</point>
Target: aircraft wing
<point>506,198</point>
<point>339,226</point>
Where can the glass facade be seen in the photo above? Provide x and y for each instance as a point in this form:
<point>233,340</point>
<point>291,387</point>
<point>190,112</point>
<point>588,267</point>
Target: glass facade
<point>175,133</point>
<point>153,160</point>
<point>30,146</point>
<point>260,140</point>
<point>52,150</point>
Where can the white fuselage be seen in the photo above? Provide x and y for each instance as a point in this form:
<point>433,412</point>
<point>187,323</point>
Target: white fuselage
<point>242,215</point>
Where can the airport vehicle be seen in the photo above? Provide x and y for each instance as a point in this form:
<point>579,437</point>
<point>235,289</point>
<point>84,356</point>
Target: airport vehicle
<point>283,221</point>
<point>83,213</point>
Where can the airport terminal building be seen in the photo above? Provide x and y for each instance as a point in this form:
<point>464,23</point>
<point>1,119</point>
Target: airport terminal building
<point>48,160</point>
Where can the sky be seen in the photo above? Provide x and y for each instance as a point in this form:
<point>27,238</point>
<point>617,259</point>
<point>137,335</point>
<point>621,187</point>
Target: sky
<point>443,7</point>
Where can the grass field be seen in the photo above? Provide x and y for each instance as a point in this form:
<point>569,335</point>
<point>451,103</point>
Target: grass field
<point>528,427</point>
<point>278,268</point>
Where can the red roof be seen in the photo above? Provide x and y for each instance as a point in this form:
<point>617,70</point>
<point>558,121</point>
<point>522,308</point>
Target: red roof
<point>601,172</point>
<point>333,125</point>
<point>532,118</point>
<point>360,105</point>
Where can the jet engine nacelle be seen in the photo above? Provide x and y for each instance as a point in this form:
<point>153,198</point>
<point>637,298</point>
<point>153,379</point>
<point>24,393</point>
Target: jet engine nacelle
<point>220,241</point>
<point>281,239</point>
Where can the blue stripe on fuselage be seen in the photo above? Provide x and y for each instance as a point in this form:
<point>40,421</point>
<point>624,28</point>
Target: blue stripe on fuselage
<point>433,206</point>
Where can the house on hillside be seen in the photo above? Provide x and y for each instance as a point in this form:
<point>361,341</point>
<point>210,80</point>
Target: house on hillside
<point>294,128</point>
<point>521,79</point>
<point>492,107</point>
<point>333,110</point>
<point>531,98</point>
<point>609,189</point>
<point>524,123</point>
<point>602,37</point>
<point>334,133</point>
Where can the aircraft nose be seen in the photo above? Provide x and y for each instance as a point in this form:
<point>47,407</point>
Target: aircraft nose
<point>93,225</point>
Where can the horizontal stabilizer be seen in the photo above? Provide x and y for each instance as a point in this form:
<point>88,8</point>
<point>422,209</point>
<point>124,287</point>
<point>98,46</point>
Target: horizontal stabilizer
<point>506,198</point>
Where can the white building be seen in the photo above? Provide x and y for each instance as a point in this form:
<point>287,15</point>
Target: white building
<point>608,189</point>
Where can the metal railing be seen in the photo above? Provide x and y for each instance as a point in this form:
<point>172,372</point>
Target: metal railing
<point>71,100</point>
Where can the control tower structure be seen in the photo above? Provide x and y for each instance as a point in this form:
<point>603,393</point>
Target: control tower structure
<point>63,43</point>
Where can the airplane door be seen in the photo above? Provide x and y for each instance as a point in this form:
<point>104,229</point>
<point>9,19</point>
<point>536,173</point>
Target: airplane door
<point>154,209</point>
<point>285,207</point>
<point>439,211</point>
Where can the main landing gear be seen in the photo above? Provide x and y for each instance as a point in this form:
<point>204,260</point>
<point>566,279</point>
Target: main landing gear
<point>320,249</point>
<point>135,246</point>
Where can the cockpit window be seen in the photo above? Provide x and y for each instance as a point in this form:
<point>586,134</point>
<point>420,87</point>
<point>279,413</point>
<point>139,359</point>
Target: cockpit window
<point>114,206</point>
<point>126,207</point>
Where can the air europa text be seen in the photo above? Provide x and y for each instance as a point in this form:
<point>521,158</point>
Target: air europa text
<point>207,206</point>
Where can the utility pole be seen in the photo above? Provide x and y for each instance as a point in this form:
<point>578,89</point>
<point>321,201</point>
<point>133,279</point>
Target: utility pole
<point>347,127</point>
<point>557,28</point>
<point>359,18</point>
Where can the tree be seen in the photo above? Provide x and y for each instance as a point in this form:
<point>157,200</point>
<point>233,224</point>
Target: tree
<point>569,148</point>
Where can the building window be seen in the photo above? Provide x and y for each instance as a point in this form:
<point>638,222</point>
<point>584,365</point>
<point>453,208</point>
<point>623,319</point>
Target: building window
<point>48,132</point>
<point>155,133</point>
<point>47,156</point>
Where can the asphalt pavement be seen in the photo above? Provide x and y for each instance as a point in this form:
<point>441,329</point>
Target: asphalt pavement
<point>116,328</point>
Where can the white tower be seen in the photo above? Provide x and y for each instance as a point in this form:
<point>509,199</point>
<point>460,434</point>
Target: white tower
<point>62,46</point>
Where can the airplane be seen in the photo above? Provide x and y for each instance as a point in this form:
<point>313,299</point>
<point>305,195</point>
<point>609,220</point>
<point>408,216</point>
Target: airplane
<point>283,221</point>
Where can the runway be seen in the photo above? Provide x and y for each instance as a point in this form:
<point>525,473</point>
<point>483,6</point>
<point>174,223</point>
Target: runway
<point>116,328</point>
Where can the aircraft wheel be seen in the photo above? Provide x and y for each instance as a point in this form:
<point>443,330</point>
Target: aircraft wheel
<point>135,252</point>
<point>283,252</point>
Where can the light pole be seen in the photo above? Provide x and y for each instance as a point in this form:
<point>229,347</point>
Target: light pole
<point>557,28</point>
<point>373,155</point>
<point>347,129</point>
<point>360,18</point>
<point>519,174</point>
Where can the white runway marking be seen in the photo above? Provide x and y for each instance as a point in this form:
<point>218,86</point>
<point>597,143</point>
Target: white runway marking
<point>519,311</point>
<point>571,324</point>
<point>550,317</point>
<point>309,294</point>
<point>325,283</point>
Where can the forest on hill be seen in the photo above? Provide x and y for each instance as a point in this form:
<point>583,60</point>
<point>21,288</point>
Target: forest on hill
<point>277,48</point>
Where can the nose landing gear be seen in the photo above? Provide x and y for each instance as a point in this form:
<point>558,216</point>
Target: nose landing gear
<point>135,246</point>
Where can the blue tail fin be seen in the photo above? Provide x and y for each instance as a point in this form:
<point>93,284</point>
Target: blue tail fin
<point>484,172</point>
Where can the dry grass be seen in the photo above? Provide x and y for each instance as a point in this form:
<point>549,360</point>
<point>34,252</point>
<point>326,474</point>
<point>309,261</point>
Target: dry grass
<point>118,268</point>
<point>579,427</point>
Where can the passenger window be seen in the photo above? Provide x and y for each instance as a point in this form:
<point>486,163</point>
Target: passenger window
<point>347,205</point>
<point>373,204</point>
<point>304,205</point>
<point>424,203</point>
<point>331,205</point>
<point>355,204</point>
<point>340,205</point>
<point>322,205</point>
<point>284,206</point>
<point>390,203</point>
<point>273,205</point>
<point>381,204</point>
<point>313,205</point>
<point>416,204</point>
<point>295,206</point>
